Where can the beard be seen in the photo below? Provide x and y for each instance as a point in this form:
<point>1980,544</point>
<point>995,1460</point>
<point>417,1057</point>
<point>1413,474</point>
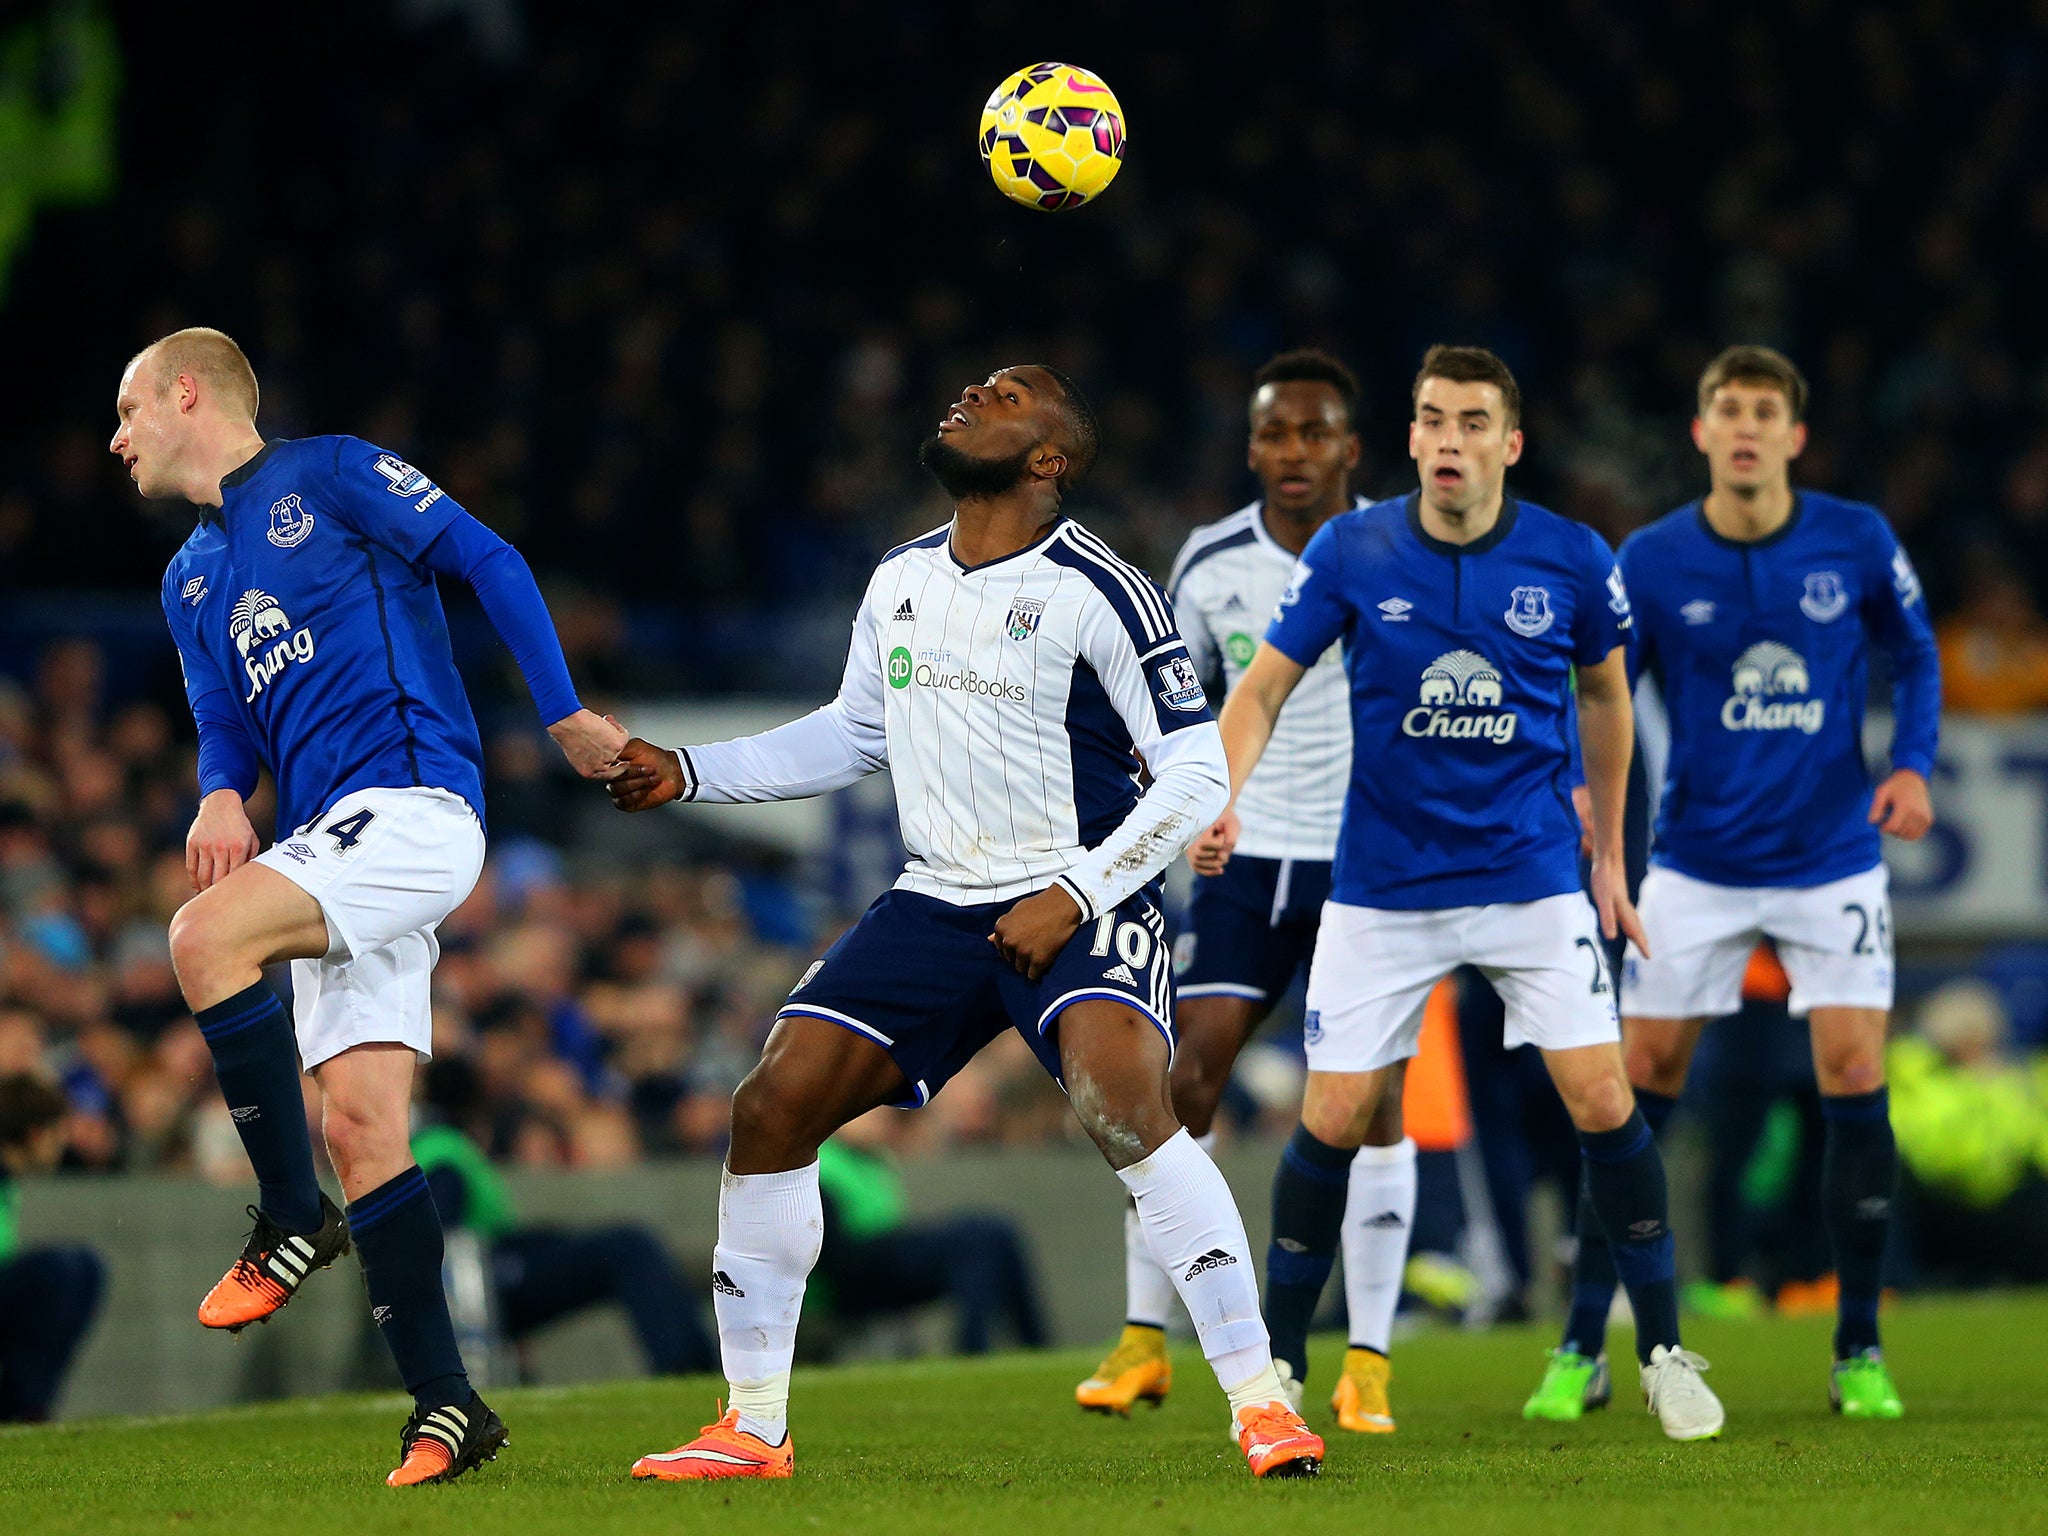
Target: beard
<point>964,477</point>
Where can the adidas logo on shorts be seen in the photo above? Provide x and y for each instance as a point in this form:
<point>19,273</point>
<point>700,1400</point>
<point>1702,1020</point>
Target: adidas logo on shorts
<point>721,1282</point>
<point>1120,973</point>
<point>1387,1220</point>
<point>1215,1258</point>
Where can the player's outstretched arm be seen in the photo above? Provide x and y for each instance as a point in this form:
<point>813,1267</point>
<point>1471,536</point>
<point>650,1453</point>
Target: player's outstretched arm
<point>1606,738</point>
<point>1247,721</point>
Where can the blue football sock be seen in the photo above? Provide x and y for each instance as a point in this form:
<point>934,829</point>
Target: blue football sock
<point>1593,1276</point>
<point>256,1063</point>
<point>1858,1168</point>
<point>397,1234</point>
<point>1625,1175</point>
<point>1309,1190</point>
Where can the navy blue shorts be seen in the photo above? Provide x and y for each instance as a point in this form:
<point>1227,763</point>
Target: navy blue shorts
<point>919,977</point>
<point>1249,929</point>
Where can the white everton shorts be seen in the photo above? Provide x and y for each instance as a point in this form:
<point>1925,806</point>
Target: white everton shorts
<point>1835,941</point>
<point>386,866</point>
<point>1374,968</point>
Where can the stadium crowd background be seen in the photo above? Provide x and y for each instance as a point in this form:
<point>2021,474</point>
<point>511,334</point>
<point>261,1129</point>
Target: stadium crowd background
<point>669,302</point>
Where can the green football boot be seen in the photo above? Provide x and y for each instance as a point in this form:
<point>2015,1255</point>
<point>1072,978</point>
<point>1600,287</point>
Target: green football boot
<point>1572,1385</point>
<point>1861,1388</point>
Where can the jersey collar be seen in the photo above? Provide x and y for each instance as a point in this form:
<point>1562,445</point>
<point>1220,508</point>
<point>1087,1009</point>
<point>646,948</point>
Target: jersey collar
<point>1783,530</point>
<point>240,475</point>
<point>1510,511</point>
<point>1052,531</point>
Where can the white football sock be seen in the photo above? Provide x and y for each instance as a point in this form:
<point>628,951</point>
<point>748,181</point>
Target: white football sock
<point>770,1228</point>
<point>1196,1235</point>
<point>1148,1289</point>
<point>1375,1246</point>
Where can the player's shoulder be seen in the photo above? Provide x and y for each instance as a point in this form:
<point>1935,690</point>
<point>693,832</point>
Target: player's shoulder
<point>1678,527</point>
<point>1558,531</point>
<point>1366,529</point>
<point>1824,514</point>
<point>1237,531</point>
<point>909,548</point>
<point>1138,601</point>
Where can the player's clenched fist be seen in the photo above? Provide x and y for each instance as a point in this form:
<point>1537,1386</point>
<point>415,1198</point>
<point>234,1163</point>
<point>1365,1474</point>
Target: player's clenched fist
<point>1032,933</point>
<point>221,840</point>
<point>1211,850</point>
<point>647,776</point>
<point>1902,806</point>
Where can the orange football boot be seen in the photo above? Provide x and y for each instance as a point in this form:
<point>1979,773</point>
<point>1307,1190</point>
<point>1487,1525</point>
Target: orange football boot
<point>1136,1370</point>
<point>438,1445</point>
<point>722,1449</point>
<point>274,1263</point>
<point>1277,1443</point>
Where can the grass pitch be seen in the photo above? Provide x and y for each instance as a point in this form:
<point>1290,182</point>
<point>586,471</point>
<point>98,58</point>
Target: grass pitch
<point>964,1446</point>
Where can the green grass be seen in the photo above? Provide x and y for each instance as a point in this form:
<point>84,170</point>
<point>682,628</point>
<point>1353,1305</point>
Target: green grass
<point>966,1446</point>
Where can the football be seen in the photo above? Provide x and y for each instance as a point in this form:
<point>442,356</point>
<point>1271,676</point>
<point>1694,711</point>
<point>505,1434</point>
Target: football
<point>1052,136</point>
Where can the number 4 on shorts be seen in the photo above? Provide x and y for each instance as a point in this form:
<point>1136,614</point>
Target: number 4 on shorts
<point>348,831</point>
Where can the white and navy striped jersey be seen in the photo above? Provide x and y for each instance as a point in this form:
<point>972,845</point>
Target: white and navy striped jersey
<point>1226,584</point>
<point>1017,704</point>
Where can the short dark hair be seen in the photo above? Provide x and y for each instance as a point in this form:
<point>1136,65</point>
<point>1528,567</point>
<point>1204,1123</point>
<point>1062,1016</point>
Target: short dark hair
<point>1757,366</point>
<point>1083,439</point>
<point>27,1105</point>
<point>1471,365</point>
<point>1310,365</point>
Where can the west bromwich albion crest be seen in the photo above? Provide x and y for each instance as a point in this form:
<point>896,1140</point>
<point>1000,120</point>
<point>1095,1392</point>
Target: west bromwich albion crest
<point>1529,612</point>
<point>290,523</point>
<point>1025,613</point>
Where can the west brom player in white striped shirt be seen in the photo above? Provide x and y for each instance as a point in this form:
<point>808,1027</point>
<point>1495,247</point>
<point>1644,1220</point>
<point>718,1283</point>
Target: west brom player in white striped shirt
<point>1251,923</point>
<point>1017,679</point>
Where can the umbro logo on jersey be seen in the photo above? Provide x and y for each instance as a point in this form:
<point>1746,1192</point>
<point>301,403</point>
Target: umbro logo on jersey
<point>1120,973</point>
<point>1215,1258</point>
<point>195,590</point>
<point>721,1282</point>
<point>1395,610</point>
<point>1699,611</point>
<point>904,613</point>
<point>1386,1221</point>
<point>1770,682</point>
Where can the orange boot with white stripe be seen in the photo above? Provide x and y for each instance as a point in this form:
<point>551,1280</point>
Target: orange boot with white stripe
<point>720,1450</point>
<point>1277,1442</point>
<point>273,1265</point>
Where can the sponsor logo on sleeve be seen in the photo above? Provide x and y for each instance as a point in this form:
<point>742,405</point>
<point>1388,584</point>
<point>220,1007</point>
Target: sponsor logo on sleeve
<point>403,479</point>
<point>1617,595</point>
<point>1180,687</point>
<point>1302,571</point>
<point>1905,579</point>
<point>290,523</point>
<point>1825,599</point>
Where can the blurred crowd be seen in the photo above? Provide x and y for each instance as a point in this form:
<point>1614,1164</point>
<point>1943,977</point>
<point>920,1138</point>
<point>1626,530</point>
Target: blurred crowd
<point>670,301</point>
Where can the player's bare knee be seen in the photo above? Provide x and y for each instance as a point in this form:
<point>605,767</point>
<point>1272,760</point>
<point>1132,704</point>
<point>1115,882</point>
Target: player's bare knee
<point>767,1123</point>
<point>195,946</point>
<point>1385,1127</point>
<point>1850,1072</point>
<point>1197,1090</point>
<point>1600,1103</point>
<point>1655,1068</point>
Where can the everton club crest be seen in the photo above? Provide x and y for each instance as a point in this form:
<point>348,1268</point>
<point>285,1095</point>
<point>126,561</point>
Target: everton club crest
<point>1825,598</point>
<point>1025,613</point>
<point>1529,612</point>
<point>290,523</point>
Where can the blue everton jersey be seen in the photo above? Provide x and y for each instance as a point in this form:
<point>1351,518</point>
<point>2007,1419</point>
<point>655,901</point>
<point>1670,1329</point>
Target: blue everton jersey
<point>304,616</point>
<point>1761,652</point>
<point>1460,659</point>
